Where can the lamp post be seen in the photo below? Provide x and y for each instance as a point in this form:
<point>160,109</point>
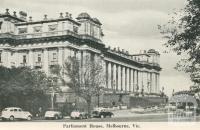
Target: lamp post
<point>52,98</point>
<point>54,83</point>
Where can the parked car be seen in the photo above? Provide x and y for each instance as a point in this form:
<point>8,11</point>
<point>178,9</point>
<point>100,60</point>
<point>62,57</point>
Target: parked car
<point>102,114</point>
<point>12,113</point>
<point>53,114</point>
<point>79,115</point>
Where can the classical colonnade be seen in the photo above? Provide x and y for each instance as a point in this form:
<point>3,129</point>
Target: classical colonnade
<point>121,77</point>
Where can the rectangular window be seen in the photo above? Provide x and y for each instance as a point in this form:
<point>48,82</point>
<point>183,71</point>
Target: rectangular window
<point>54,56</point>
<point>24,59</point>
<point>39,58</point>
<point>22,30</point>
<point>0,58</point>
<point>0,25</point>
<point>75,29</point>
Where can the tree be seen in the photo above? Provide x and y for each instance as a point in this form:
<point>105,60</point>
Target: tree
<point>86,78</point>
<point>54,80</point>
<point>183,37</point>
<point>23,87</point>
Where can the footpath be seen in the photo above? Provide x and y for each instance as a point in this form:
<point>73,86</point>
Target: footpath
<point>128,113</point>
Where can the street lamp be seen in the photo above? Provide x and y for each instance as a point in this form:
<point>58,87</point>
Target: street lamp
<point>52,92</point>
<point>52,97</point>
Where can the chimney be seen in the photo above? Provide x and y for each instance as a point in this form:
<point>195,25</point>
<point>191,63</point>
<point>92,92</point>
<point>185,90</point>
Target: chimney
<point>30,19</point>
<point>70,15</point>
<point>61,15</point>
<point>45,17</point>
<point>118,49</point>
<point>14,14</point>
<point>7,12</point>
<point>23,15</point>
<point>67,14</point>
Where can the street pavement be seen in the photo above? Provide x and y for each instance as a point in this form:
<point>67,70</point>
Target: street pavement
<point>119,116</point>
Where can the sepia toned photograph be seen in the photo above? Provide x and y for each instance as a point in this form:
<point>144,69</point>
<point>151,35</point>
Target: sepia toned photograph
<point>75,62</point>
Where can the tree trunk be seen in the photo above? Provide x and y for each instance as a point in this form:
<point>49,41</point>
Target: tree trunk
<point>89,105</point>
<point>98,102</point>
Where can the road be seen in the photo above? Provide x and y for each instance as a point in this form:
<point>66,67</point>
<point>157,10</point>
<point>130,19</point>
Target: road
<point>142,118</point>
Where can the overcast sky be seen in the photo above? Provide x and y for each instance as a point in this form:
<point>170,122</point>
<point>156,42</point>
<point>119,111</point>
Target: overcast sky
<point>128,24</point>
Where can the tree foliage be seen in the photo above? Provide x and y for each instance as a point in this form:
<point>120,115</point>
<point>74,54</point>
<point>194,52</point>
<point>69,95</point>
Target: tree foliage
<point>183,36</point>
<point>23,87</point>
<point>86,79</point>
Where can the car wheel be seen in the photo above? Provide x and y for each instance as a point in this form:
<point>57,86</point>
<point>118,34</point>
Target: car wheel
<point>3,119</point>
<point>29,118</point>
<point>87,116</point>
<point>12,118</point>
<point>81,117</point>
<point>56,117</point>
<point>111,115</point>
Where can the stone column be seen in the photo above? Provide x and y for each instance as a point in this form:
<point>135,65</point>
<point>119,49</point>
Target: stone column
<point>60,56</point>
<point>114,76</point>
<point>137,79</point>
<point>127,80</point>
<point>158,87</point>
<point>132,80</point>
<point>109,75</point>
<point>30,58</point>
<point>142,79</point>
<point>16,58</point>
<point>45,61</point>
<point>153,82</point>
<point>119,77</point>
<point>8,59</point>
<point>106,73</point>
<point>123,78</point>
<point>145,81</point>
<point>66,53</point>
<point>150,87</point>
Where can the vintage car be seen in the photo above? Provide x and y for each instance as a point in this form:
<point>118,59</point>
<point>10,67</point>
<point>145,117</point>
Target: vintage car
<point>12,113</point>
<point>102,114</point>
<point>53,114</point>
<point>79,115</point>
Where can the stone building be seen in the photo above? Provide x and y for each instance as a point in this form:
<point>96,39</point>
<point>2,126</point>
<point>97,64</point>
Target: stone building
<point>43,43</point>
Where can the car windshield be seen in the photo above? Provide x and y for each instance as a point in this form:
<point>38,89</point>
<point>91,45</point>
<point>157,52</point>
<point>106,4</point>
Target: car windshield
<point>95,112</point>
<point>5,109</point>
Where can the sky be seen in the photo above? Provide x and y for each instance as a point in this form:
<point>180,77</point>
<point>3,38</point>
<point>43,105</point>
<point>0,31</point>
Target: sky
<point>128,24</point>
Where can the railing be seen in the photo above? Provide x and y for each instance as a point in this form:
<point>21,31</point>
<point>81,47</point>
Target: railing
<point>85,36</point>
<point>23,64</point>
<point>48,34</point>
<point>56,33</point>
<point>53,62</point>
<point>38,64</point>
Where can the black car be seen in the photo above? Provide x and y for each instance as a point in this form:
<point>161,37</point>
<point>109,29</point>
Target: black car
<point>102,114</point>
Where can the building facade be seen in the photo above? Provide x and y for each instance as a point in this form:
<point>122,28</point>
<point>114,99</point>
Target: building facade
<point>47,42</point>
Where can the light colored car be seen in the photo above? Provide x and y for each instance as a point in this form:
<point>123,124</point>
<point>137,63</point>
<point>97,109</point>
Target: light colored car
<point>51,114</point>
<point>12,113</point>
<point>79,115</point>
